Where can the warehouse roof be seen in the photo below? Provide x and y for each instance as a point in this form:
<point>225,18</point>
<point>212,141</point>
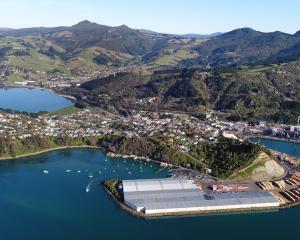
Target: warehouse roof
<point>157,185</point>
<point>179,194</point>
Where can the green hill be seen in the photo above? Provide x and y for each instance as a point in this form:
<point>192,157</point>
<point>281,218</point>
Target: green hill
<point>89,46</point>
<point>271,93</point>
<point>246,46</point>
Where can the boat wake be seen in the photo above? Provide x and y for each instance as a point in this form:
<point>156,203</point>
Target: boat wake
<point>88,187</point>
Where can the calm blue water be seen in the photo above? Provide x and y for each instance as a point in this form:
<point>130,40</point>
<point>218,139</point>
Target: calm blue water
<point>31,100</point>
<point>37,206</point>
<point>289,148</point>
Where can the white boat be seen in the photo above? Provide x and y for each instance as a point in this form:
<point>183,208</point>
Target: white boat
<point>68,170</point>
<point>79,171</point>
<point>45,171</point>
<point>88,187</point>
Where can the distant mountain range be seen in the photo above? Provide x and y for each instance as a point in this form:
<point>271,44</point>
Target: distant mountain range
<point>247,46</point>
<point>101,46</point>
<point>87,34</point>
<point>188,35</point>
<point>244,73</point>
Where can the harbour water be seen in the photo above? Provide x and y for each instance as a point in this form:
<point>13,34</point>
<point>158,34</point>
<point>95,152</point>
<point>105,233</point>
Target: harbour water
<point>44,197</point>
<point>32,100</point>
<point>289,148</point>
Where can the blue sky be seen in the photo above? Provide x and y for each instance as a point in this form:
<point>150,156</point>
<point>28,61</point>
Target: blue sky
<point>170,16</point>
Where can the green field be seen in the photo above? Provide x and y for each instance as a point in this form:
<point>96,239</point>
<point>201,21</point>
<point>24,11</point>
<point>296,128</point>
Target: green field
<point>66,111</point>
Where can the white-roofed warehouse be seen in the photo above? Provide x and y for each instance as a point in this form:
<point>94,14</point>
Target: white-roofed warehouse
<point>163,196</point>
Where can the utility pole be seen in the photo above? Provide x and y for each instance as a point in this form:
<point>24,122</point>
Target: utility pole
<point>298,126</point>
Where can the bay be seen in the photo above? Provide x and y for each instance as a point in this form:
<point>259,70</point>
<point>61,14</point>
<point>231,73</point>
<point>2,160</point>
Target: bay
<point>35,205</point>
<point>32,100</point>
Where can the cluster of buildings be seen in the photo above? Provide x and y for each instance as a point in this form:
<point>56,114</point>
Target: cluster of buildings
<point>288,132</point>
<point>179,196</point>
<point>181,131</point>
<point>55,80</point>
<point>82,124</point>
<point>5,70</point>
<point>61,81</point>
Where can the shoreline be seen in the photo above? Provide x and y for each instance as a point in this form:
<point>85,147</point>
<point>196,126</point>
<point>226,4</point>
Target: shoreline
<point>135,157</point>
<point>142,215</point>
<point>58,94</point>
<point>107,153</point>
<point>48,150</point>
<point>276,139</point>
<point>41,88</point>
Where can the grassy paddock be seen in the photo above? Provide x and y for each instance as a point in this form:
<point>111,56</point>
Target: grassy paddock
<point>66,111</point>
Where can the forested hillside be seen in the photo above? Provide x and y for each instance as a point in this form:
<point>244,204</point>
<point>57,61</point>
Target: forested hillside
<point>271,92</point>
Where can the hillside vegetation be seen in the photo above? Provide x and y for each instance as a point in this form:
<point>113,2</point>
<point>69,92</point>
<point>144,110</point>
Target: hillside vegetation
<point>269,92</point>
<point>223,157</point>
<point>245,74</point>
<point>89,46</point>
<point>246,46</point>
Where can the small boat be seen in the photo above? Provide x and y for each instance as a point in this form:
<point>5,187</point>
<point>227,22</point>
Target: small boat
<point>45,171</point>
<point>129,173</point>
<point>78,171</point>
<point>99,172</point>
<point>89,186</point>
<point>90,176</point>
<point>68,170</point>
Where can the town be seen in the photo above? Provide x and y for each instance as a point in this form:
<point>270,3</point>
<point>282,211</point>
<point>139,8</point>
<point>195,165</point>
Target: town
<point>180,129</point>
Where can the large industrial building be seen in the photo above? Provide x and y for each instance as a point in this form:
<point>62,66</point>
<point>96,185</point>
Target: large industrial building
<point>167,196</point>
